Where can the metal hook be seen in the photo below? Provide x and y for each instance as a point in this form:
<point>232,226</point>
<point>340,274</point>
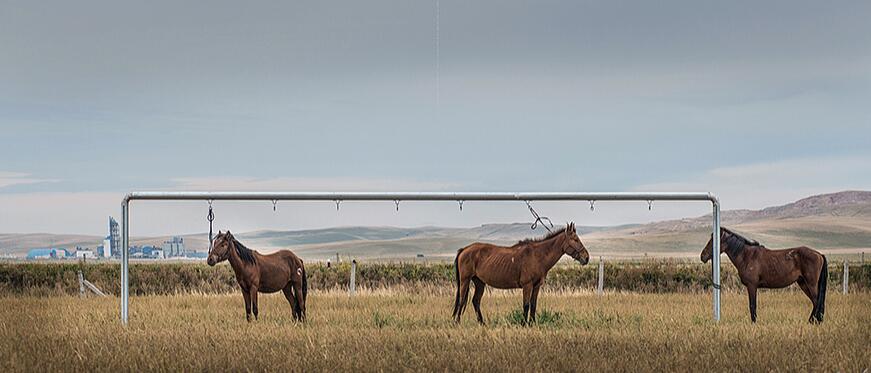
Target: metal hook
<point>338,201</point>
<point>592,206</point>
<point>396,201</point>
<point>539,219</point>
<point>461,204</point>
<point>274,203</point>
<point>210,217</point>
<point>649,205</point>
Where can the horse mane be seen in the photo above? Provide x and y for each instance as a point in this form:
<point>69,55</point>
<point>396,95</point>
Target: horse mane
<point>245,253</point>
<point>745,239</point>
<point>737,237</point>
<point>550,235</point>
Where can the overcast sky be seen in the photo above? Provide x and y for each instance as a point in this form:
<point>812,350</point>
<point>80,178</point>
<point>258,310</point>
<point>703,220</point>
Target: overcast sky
<point>760,102</point>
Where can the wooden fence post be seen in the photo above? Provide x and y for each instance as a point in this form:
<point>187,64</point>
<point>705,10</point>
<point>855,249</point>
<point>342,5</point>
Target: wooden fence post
<point>601,288</point>
<point>352,288</point>
<point>81,284</point>
<point>846,276</point>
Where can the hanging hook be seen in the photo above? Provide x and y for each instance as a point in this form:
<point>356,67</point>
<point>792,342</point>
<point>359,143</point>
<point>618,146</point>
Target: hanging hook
<point>592,205</point>
<point>539,219</point>
<point>338,201</point>
<point>649,205</point>
<point>461,204</point>
<point>396,201</point>
<point>274,204</point>
<point>210,217</point>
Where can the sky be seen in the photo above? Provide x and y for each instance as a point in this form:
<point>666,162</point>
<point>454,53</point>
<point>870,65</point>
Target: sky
<point>761,103</point>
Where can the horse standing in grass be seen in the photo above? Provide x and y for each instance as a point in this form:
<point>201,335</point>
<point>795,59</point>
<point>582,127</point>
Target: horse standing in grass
<point>523,265</point>
<point>759,267</point>
<point>255,272</point>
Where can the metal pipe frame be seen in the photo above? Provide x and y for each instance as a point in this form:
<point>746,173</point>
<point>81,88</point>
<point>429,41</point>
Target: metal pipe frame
<point>411,196</point>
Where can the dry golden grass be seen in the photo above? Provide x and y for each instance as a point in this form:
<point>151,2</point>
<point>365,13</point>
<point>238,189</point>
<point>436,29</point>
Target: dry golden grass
<point>395,331</point>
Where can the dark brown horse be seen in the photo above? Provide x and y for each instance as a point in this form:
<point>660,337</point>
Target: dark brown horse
<point>255,272</point>
<point>523,265</point>
<point>759,267</point>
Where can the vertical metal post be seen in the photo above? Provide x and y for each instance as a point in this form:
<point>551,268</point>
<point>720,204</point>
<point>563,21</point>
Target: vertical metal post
<point>352,287</point>
<point>716,260</point>
<point>125,256</point>
<point>601,288</point>
<point>846,277</point>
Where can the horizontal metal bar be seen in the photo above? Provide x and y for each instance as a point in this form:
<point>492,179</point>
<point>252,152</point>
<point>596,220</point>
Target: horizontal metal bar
<point>423,196</point>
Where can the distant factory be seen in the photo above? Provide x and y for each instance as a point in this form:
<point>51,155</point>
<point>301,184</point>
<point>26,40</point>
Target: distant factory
<point>111,248</point>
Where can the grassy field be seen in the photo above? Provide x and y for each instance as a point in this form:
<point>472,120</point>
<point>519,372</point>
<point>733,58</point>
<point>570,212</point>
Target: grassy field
<point>390,330</point>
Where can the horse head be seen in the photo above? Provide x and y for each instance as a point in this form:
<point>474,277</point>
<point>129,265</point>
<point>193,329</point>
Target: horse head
<point>729,241</point>
<point>573,246</point>
<point>220,248</point>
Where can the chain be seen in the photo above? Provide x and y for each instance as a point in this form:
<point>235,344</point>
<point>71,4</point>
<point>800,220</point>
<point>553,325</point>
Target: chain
<point>539,219</point>
<point>211,218</point>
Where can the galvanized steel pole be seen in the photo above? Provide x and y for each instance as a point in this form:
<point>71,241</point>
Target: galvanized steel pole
<point>125,258</point>
<point>715,239</point>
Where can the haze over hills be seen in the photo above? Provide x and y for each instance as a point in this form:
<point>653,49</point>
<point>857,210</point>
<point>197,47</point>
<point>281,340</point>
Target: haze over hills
<point>829,221</point>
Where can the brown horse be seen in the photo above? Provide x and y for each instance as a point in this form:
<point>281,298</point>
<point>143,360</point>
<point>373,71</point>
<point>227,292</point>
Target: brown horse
<point>759,267</point>
<point>523,265</point>
<point>282,270</point>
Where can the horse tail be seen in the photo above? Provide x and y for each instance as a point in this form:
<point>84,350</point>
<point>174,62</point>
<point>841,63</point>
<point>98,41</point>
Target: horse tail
<point>457,273</point>
<point>821,290</point>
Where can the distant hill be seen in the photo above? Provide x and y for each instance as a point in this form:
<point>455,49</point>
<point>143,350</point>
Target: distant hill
<point>829,221</point>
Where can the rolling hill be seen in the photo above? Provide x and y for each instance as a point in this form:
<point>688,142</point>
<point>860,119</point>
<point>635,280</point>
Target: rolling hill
<point>830,221</point>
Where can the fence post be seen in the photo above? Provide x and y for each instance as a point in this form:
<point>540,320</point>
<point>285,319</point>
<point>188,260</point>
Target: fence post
<point>863,258</point>
<point>352,288</point>
<point>81,284</point>
<point>601,288</point>
<point>846,276</point>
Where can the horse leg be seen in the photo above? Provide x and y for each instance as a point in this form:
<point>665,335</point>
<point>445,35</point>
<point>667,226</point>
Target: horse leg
<point>464,297</point>
<point>254,301</point>
<point>751,293</point>
<point>534,301</point>
<point>300,300</point>
<point>809,291</point>
<point>247,296</point>
<point>291,298</point>
<point>527,295</point>
<point>476,298</point>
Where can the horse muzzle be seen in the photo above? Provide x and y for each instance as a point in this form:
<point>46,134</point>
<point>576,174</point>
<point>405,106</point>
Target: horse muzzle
<point>211,262</point>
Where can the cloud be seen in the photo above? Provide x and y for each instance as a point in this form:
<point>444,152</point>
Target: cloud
<point>759,185</point>
<point>18,178</point>
<point>296,184</point>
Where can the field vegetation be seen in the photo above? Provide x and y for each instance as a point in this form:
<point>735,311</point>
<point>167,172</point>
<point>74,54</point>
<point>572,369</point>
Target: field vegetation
<point>647,276</point>
<point>394,330</point>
